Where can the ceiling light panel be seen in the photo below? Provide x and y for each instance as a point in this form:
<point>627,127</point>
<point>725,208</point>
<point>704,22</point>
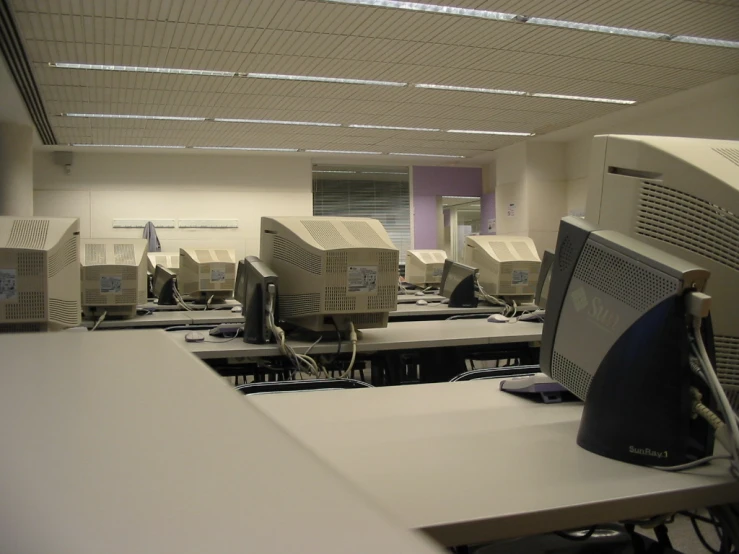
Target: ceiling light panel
<point>342,152</point>
<point>425,155</point>
<point>143,69</point>
<point>583,98</point>
<point>276,122</point>
<point>246,149</point>
<point>129,145</point>
<point>315,79</point>
<point>133,116</point>
<point>500,133</point>
<point>472,89</point>
<point>429,8</point>
<point>392,128</point>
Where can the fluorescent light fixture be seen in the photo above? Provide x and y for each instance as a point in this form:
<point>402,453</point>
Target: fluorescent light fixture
<point>129,145</point>
<point>384,172</point>
<point>143,69</point>
<point>501,133</point>
<point>332,171</point>
<point>246,149</point>
<point>392,128</point>
<point>276,122</point>
<point>705,41</point>
<point>324,79</point>
<point>341,152</point>
<point>430,8</point>
<point>582,98</point>
<point>463,197</point>
<point>472,89</point>
<point>425,155</point>
<point>133,116</point>
<point>593,28</point>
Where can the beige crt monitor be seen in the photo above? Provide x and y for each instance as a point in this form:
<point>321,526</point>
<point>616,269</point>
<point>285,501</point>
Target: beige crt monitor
<point>424,267</point>
<point>206,274</point>
<point>682,196</point>
<point>39,274</point>
<point>113,276</point>
<point>509,266</point>
<point>170,261</point>
<point>331,269</point>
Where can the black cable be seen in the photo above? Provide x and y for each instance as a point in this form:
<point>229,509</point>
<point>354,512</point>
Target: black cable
<point>698,533</point>
<point>580,538</point>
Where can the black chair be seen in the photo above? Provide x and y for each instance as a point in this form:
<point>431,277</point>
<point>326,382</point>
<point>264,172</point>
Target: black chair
<point>497,373</point>
<point>301,385</point>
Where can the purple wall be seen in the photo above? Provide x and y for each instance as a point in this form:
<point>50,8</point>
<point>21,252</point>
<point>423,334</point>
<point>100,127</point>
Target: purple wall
<point>430,182</point>
<point>487,211</point>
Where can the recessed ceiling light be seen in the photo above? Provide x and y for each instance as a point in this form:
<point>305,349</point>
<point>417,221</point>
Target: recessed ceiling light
<point>341,152</point>
<point>502,133</point>
<point>472,89</point>
<point>244,148</point>
<point>392,128</point>
<point>133,116</point>
<point>143,69</point>
<point>129,145</point>
<point>425,155</point>
<point>332,171</point>
<point>324,79</point>
<point>276,122</point>
<point>543,21</point>
<point>582,98</point>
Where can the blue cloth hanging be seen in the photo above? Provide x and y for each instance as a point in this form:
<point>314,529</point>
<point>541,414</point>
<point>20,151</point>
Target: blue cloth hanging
<point>150,233</point>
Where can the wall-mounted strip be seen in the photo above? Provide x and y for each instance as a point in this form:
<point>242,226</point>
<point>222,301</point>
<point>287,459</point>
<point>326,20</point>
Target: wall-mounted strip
<point>11,46</point>
<point>141,223</point>
<point>208,223</point>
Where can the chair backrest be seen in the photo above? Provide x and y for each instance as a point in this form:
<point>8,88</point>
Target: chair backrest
<point>301,385</point>
<point>497,373</point>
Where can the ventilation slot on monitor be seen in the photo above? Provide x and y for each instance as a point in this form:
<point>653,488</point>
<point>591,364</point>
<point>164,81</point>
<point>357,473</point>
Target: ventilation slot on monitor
<point>30,264</point>
<point>203,256</point>
<point>368,318</point>
<point>129,273</point>
<point>365,234</point>
<point>123,254</point>
<point>28,233</point>
<point>388,261</point>
<point>161,260</point>
<point>337,262</point>
<point>93,297</point>
<point>224,256</point>
<point>337,300</point>
<point>22,327</point>
<point>690,223</point>
<point>30,305</point>
<point>66,312</point>
<point>293,305</point>
<point>727,366</point>
<point>565,254</point>
<point>731,154</point>
<point>326,234</point>
<point>141,297</point>
<point>385,299</point>
<point>64,256</point>
<point>127,296</point>
<point>502,252</point>
<point>523,250</point>
<point>95,254</point>
<point>289,252</point>
<point>571,375</point>
<point>618,277</point>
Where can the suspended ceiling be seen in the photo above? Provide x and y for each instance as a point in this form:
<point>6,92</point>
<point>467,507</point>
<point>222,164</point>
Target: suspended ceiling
<point>310,37</point>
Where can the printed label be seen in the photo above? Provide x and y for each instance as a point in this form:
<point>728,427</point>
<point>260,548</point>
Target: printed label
<point>362,278</point>
<point>111,284</point>
<point>7,285</point>
<point>217,274</point>
<point>520,277</point>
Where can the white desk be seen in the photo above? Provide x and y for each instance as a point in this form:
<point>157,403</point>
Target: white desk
<point>397,336</point>
<point>154,319</point>
<point>216,317</point>
<point>437,309</point>
<point>412,298</point>
<point>123,442</point>
<point>227,305</point>
<point>467,463</point>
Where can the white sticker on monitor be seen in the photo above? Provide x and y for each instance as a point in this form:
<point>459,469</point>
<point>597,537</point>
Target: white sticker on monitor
<point>520,277</point>
<point>111,284</point>
<point>362,278</point>
<point>217,274</point>
<point>8,289</point>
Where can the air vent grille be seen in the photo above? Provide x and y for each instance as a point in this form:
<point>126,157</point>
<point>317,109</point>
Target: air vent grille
<point>127,296</point>
<point>337,300</point>
<point>30,305</point>
<point>204,256</point>
<point>731,154</point>
<point>727,364</point>
<point>123,254</point>
<point>375,318</point>
<point>523,249</point>
<point>93,297</point>
<point>64,256</point>
<point>565,254</point>
<point>326,234</point>
<point>28,233</point>
<point>385,299</point>
<point>293,305</point>
<point>571,375</point>
<point>337,262</point>
<point>365,234</point>
<point>388,261</point>
<point>224,256</point>
<point>95,254</point>
<point>22,327</point>
<point>502,252</point>
<point>690,223</point>
<point>66,312</point>
<point>618,277</point>
<point>287,251</point>
<point>30,264</point>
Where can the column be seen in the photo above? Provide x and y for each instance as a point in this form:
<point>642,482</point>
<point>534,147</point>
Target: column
<point>16,169</point>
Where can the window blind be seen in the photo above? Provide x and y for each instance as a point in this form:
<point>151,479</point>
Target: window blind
<point>386,201</point>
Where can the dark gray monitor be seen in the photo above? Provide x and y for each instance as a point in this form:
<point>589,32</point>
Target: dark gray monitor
<point>257,277</point>
<point>163,284</point>
<point>458,285</point>
<point>545,278</point>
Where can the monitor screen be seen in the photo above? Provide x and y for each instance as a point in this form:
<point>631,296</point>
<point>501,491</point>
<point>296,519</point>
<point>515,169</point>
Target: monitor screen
<point>257,278</point>
<point>545,278</point>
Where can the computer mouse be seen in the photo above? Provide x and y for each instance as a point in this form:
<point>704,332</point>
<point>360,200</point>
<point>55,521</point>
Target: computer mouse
<point>419,293</point>
<point>194,336</point>
<point>421,303</point>
<point>498,318</point>
<point>236,309</point>
<point>445,301</point>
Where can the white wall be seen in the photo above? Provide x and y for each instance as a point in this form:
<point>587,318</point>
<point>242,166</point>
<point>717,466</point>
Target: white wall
<point>107,186</point>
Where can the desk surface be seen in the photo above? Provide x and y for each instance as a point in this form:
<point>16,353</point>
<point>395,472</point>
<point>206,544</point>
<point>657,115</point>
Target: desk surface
<point>123,442</point>
<point>466,462</point>
<point>154,319</point>
<point>412,298</point>
<point>227,305</point>
<point>397,336</point>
